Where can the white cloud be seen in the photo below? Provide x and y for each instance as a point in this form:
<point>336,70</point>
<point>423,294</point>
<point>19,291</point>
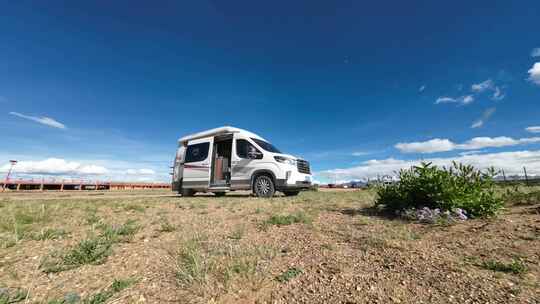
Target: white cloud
<point>534,73</point>
<point>497,94</point>
<point>470,152</point>
<point>443,145</point>
<point>55,166</point>
<point>477,124</point>
<point>535,52</point>
<point>483,86</point>
<point>489,85</point>
<point>360,153</point>
<point>422,88</point>
<point>467,99</point>
<point>511,162</point>
<point>42,120</point>
<point>485,116</point>
<point>533,129</point>
<point>430,146</point>
<point>140,172</point>
<point>490,142</point>
<point>464,100</point>
<point>445,99</point>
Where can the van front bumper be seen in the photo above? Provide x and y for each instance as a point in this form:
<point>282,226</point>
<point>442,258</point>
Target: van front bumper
<point>283,185</point>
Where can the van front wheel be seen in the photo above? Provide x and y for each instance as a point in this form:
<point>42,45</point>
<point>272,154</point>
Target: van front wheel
<point>264,186</point>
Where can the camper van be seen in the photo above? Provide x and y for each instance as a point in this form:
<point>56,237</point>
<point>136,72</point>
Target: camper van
<point>228,159</point>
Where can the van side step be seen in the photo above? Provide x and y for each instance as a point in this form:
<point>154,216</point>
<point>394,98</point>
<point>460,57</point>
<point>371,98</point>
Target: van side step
<point>225,188</point>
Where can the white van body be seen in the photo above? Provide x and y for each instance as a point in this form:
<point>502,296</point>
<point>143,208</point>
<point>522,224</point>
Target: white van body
<point>228,159</point>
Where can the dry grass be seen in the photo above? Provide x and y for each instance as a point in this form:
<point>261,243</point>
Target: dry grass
<point>319,247</point>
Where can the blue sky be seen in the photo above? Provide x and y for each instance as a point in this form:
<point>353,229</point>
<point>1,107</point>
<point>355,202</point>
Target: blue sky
<point>358,89</point>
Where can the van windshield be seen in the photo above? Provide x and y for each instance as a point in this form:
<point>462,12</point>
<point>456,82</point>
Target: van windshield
<point>266,145</point>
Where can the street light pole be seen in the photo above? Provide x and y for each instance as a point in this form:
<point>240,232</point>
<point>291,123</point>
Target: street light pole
<point>13,163</point>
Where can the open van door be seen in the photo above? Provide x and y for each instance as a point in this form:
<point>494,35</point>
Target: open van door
<point>178,169</point>
<point>197,164</point>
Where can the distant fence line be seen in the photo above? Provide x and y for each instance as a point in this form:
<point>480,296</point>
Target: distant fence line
<point>75,184</point>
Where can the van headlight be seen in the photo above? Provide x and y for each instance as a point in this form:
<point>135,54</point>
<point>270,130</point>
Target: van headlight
<point>285,160</point>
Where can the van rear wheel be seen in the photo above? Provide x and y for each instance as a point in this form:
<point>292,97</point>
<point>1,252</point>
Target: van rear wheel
<point>263,186</point>
<point>187,192</point>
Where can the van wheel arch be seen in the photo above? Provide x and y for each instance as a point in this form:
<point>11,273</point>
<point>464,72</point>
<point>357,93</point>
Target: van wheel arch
<point>258,173</point>
<point>262,172</point>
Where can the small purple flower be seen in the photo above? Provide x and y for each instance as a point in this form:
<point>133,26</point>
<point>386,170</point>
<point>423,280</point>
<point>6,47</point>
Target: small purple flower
<point>432,216</point>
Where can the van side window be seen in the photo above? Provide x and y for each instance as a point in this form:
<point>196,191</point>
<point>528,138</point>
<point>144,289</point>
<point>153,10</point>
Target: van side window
<point>197,152</point>
<point>246,150</point>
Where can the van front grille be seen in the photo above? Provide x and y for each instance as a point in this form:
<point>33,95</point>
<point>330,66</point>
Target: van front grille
<point>303,166</point>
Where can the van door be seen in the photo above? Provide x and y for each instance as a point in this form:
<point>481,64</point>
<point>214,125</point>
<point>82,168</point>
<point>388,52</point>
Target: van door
<point>197,164</point>
<point>178,168</point>
<point>245,157</point>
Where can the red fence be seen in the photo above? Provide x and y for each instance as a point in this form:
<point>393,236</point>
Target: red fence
<point>76,184</point>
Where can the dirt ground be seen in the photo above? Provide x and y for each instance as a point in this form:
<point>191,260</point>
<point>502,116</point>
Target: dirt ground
<point>318,247</point>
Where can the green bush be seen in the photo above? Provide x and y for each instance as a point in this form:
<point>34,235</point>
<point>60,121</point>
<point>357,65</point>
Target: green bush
<point>460,186</point>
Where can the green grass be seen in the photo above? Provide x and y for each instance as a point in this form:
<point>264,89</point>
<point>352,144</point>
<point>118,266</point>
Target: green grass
<point>238,232</point>
<point>289,274</point>
<point>7,242</point>
<point>328,246</point>
<point>69,298</point>
<point>119,233</point>
<point>134,207</point>
<point>191,264</point>
<point>515,267</point>
<point>49,234</point>
<point>8,295</point>
<point>103,296</point>
<point>207,267</point>
<point>92,218</point>
<point>92,251</point>
<point>518,196</point>
<point>288,219</point>
<point>18,221</point>
<point>165,225</point>
<point>100,297</point>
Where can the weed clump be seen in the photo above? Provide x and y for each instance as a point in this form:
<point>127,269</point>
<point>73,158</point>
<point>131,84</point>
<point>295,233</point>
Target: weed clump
<point>447,189</point>
<point>192,265</point>
<point>166,226</point>
<point>9,295</point>
<point>515,267</point>
<point>97,298</point>
<point>288,275</point>
<point>49,234</point>
<point>120,233</point>
<point>206,267</point>
<point>92,251</point>
<point>288,219</point>
<point>517,197</point>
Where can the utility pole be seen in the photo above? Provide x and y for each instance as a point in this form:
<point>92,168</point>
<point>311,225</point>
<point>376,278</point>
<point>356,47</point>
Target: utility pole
<point>526,178</point>
<point>13,163</point>
<point>504,175</point>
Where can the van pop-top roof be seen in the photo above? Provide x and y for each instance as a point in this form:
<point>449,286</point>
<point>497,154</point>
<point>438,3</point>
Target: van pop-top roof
<point>218,131</point>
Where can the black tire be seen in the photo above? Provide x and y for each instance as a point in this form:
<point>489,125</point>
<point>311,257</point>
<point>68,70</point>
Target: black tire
<point>291,193</point>
<point>263,186</point>
<point>187,192</point>
<point>219,194</point>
